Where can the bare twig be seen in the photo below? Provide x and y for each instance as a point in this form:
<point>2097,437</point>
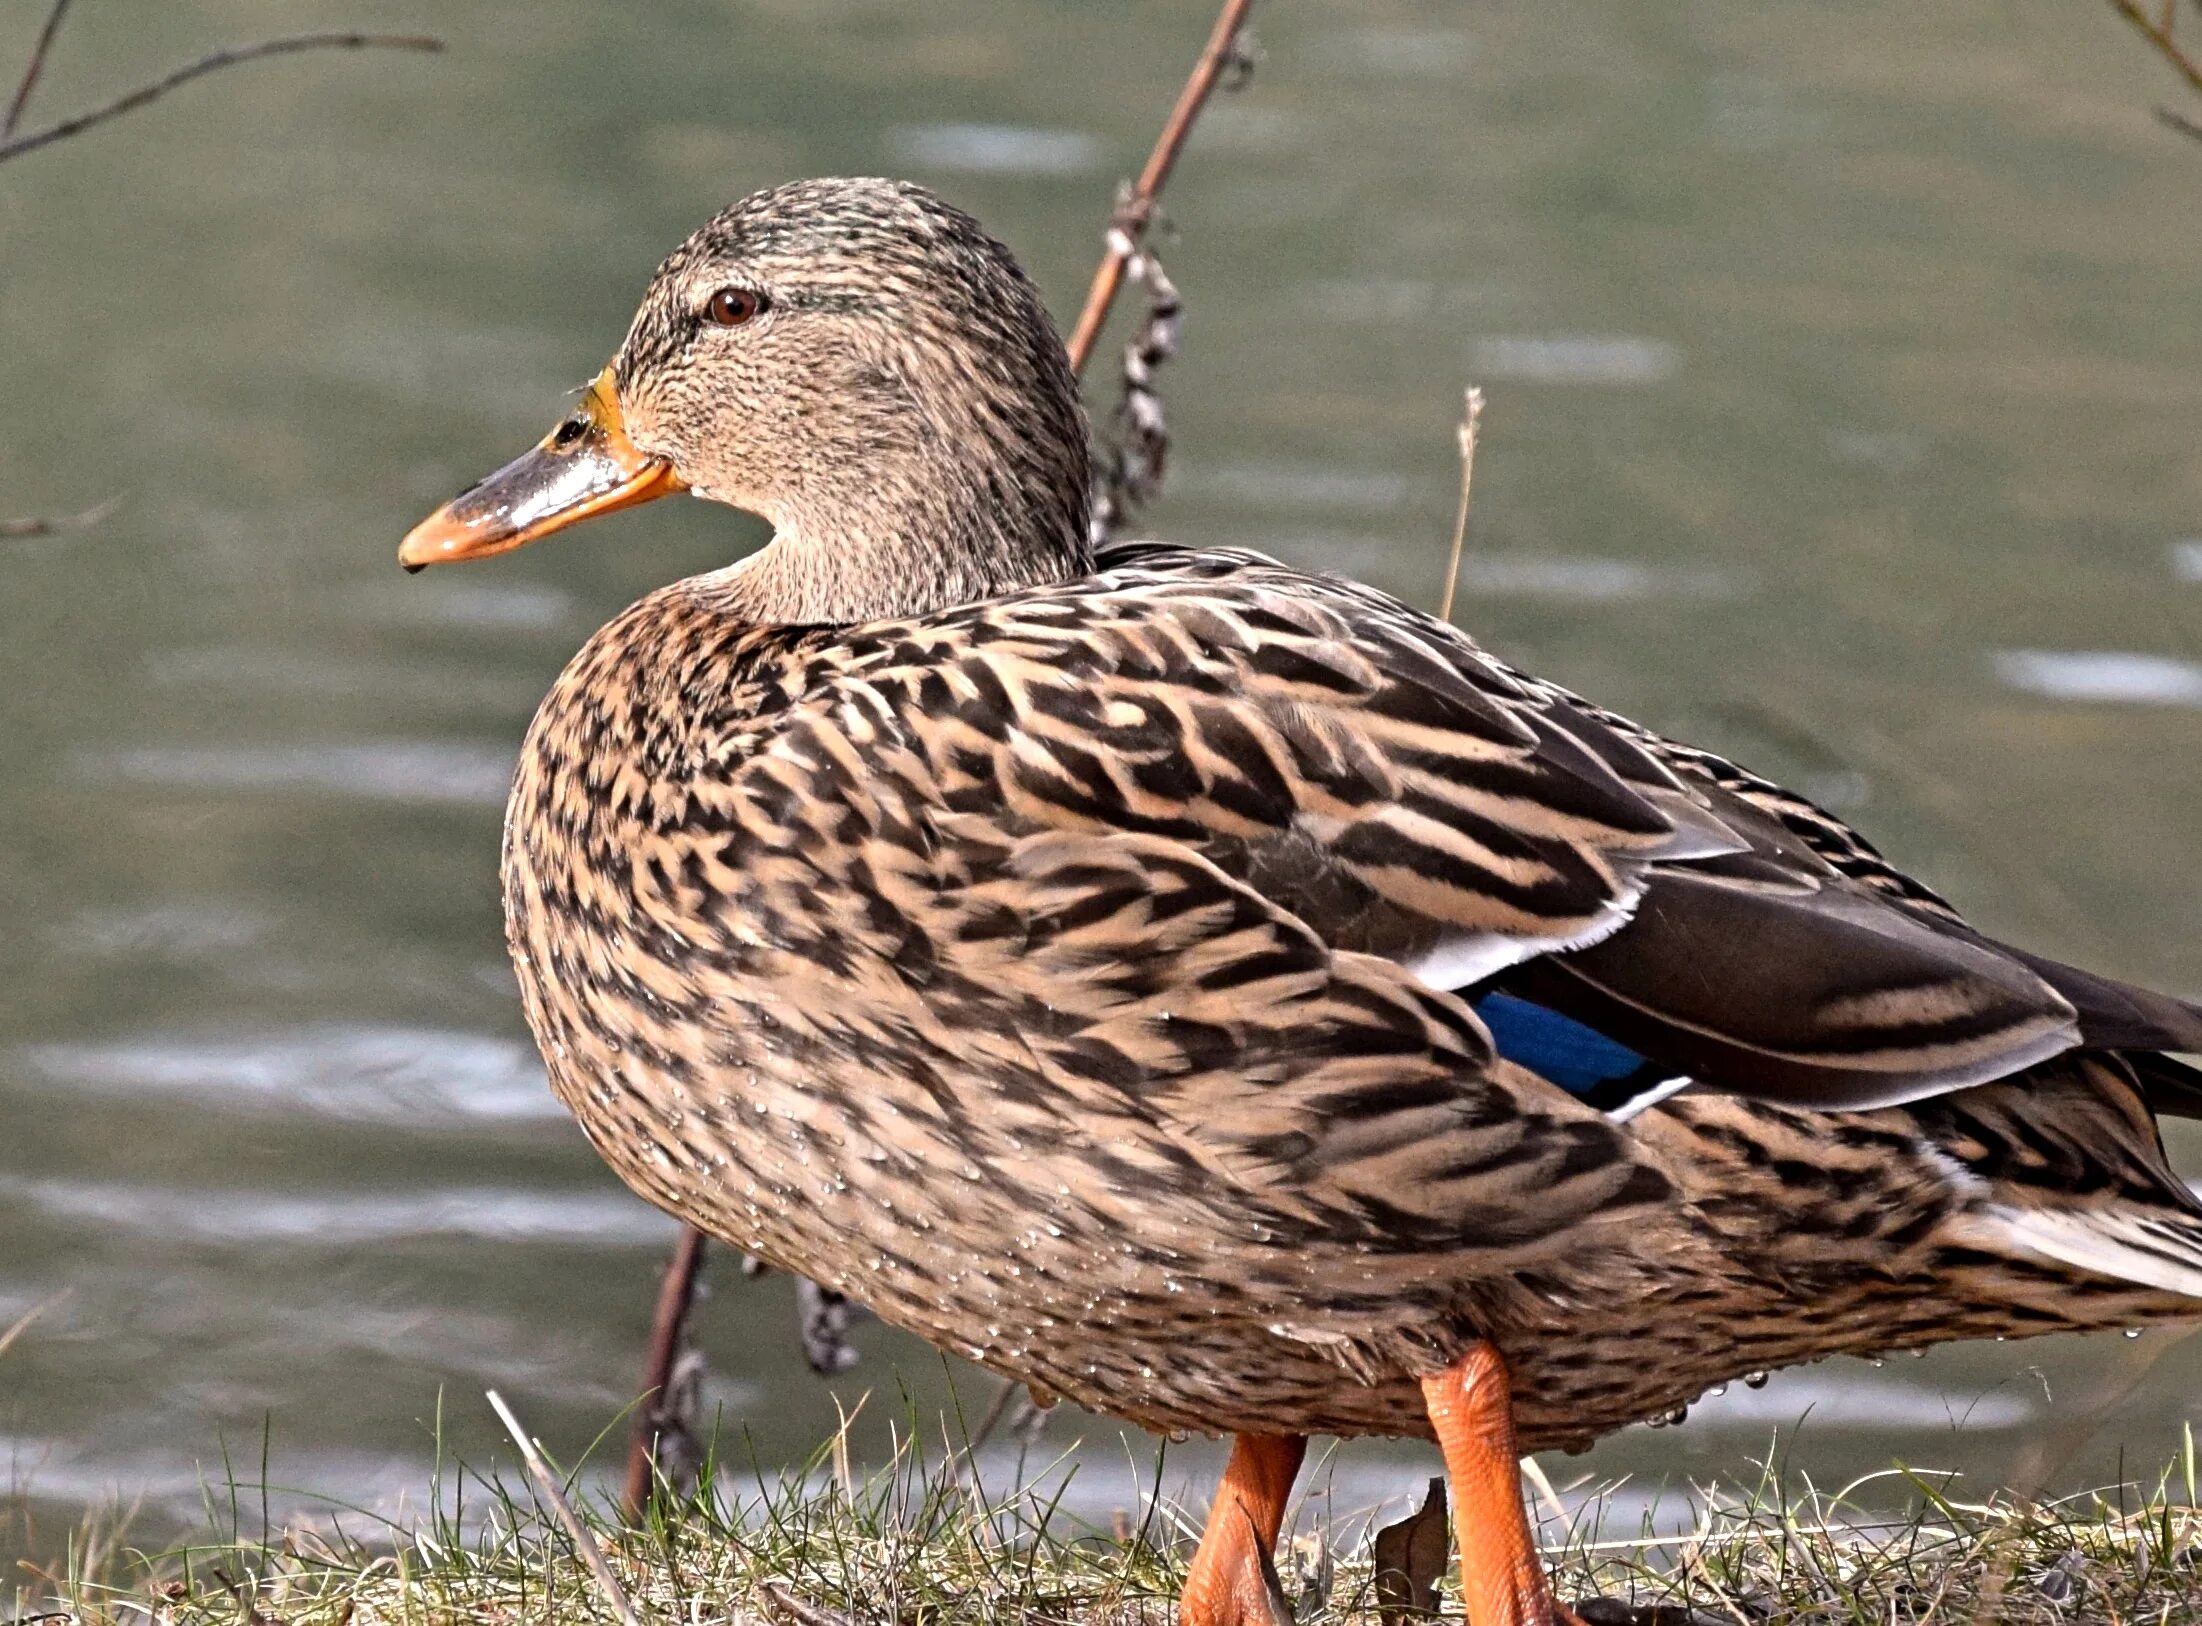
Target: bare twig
<point>782,1604</point>
<point>657,1418</point>
<point>2158,32</point>
<point>54,524</point>
<point>33,68</point>
<point>250,1610</point>
<point>228,57</point>
<point>1136,212</point>
<point>1470,421</point>
<point>1014,1402</point>
<point>592,1555</point>
<point>1135,454</point>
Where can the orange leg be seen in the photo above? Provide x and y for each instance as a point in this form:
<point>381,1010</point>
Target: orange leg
<point>1224,1587</point>
<point>1502,1581</point>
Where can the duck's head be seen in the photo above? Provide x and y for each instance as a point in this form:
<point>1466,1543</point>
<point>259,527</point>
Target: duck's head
<point>854,360</point>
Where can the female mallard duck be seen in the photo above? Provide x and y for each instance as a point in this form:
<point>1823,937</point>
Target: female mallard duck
<point>1220,994</point>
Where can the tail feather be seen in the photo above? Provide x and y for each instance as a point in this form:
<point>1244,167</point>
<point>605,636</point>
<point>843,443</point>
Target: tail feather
<point>2118,1015</point>
<point>2171,1088</point>
<point>2156,1248</point>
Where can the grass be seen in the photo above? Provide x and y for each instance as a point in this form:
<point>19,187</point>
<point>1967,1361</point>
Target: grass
<point>920,1544</point>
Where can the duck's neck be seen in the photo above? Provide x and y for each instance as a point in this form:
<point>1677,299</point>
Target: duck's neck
<point>921,538</point>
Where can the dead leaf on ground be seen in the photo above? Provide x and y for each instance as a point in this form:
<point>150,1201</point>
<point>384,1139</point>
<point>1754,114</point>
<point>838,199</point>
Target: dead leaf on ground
<point>1410,1556</point>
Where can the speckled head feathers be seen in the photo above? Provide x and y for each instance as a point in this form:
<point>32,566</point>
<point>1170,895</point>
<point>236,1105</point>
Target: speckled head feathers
<point>899,405</point>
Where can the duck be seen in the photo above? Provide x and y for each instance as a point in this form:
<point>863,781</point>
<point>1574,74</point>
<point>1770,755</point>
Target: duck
<point>1214,992</point>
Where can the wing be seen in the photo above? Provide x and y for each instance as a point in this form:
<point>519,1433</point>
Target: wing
<point>1103,1011</point>
<point>1375,774</point>
<point>1205,1038</point>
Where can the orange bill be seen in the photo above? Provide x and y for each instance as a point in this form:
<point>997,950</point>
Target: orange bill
<point>585,466</point>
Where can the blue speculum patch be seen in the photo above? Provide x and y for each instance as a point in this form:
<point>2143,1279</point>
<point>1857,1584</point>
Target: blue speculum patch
<point>1577,1057</point>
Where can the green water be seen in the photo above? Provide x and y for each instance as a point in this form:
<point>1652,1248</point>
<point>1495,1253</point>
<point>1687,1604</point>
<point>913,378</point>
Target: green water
<point>1844,370</point>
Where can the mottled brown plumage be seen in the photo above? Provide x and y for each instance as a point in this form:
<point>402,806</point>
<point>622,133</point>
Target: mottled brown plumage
<point>1079,960</point>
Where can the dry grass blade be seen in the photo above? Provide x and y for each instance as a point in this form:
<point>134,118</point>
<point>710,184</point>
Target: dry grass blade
<point>32,69</point>
<point>22,1323</point>
<point>228,57</point>
<point>1136,210</point>
<point>917,1548</point>
<point>584,1543</point>
<point>1541,1483</point>
<point>1471,421</point>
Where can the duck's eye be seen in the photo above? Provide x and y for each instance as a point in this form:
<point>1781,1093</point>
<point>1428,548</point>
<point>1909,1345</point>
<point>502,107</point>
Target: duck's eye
<point>731,307</point>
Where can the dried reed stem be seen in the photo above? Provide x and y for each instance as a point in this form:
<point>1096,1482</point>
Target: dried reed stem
<point>584,1543</point>
<point>1470,422</point>
<point>656,1416</point>
<point>1137,210</point>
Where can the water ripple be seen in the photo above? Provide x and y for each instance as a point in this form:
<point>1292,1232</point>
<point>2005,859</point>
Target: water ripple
<point>1588,579</point>
<point>392,770</point>
<point>322,1219</point>
<point>1572,359</point>
<point>996,149</point>
<point>2102,675</point>
<point>398,1076</point>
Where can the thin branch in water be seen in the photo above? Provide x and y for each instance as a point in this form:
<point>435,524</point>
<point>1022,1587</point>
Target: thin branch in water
<point>33,68</point>
<point>1221,59</point>
<point>662,1434</point>
<point>592,1555</point>
<point>55,524</point>
<point>2180,122</point>
<point>1470,422</point>
<point>228,57</point>
<point>2157,31</point>
<point>1013,1401</point>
